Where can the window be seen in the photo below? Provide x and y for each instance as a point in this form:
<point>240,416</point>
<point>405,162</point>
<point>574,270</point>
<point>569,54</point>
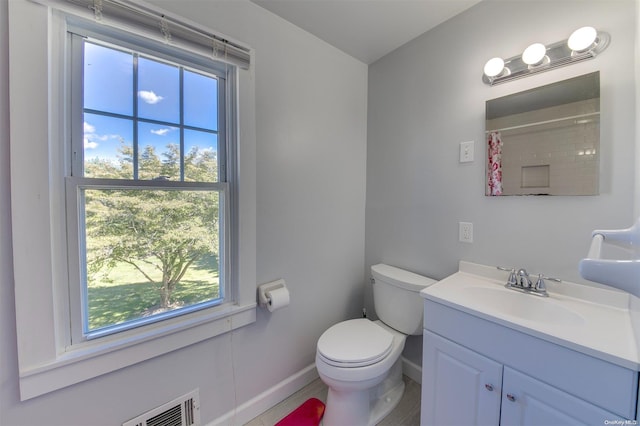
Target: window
<point>127,152</point>
<point>147,188</point>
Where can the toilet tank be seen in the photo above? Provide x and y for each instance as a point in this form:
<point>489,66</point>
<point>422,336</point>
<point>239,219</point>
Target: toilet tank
<point>396,297</point>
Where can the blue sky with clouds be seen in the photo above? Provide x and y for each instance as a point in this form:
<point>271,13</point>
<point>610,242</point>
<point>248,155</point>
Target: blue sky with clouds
<point>109,87</point>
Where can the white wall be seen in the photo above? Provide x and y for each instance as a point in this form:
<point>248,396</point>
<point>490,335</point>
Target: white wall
<point>427,97</point>
<point>311,153</point>
<point>637,55</point>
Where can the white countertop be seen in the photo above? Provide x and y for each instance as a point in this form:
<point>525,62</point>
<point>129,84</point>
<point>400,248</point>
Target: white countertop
<point>599,322</point>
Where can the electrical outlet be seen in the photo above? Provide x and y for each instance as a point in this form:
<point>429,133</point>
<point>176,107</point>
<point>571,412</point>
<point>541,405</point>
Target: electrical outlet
<point>465,232</point>
<point>466,152</point>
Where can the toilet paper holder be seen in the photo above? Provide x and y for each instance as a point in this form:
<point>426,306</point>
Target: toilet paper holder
<point>263,289</point>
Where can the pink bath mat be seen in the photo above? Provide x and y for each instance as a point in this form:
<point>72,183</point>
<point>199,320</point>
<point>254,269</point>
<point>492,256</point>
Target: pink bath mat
<point>308,414</point>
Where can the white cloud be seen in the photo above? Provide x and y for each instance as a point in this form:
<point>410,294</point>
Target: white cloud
<point>149,97</point>
<point>92,139</point>
<point>88,144</point>
<point>104,138</point>
<point>161,132</point>
<point>90,136</point>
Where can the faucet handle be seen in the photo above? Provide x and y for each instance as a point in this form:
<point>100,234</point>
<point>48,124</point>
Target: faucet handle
<point>541,279</point>
<point>512,280</point>
<point>540,284</point>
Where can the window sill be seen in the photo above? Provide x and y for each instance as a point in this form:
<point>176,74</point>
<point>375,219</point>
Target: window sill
<point>92,359</point>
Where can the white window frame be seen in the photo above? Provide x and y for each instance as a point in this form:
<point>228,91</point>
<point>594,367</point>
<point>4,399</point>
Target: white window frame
<point>76,182</point>
<point>47,359</point>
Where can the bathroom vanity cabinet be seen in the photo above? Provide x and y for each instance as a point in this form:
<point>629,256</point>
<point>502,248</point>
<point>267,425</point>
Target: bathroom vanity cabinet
<point>464,387</point>
<point>480,370</point>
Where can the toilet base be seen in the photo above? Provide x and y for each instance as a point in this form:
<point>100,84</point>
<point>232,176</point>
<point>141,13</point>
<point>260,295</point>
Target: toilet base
<point>386,396</point>
<point>365,407</point>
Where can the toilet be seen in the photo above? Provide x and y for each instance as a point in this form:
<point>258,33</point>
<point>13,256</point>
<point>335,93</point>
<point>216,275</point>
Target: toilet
<point>359,359</point>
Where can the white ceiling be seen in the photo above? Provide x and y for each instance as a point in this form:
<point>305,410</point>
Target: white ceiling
<point>366,29</point>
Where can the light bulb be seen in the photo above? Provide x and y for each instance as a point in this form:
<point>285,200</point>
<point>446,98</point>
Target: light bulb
<point>582,39</point>
<point>493,67</point>
<point>534,54</point>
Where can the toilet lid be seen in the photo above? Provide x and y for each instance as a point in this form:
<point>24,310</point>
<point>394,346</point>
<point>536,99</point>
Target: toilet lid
<point>355,343</point>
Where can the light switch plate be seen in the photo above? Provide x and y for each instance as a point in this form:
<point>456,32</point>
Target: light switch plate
<point>466,152</point>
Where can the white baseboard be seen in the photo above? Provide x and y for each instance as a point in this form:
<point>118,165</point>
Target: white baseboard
<point>412,370</point>
<point>267,399</point>
<point>272,396</point>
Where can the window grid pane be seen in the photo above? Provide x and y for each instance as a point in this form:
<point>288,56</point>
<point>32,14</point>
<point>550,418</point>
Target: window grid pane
<point>108,146</point>
<point>158,96</point>
<point>107,79</point>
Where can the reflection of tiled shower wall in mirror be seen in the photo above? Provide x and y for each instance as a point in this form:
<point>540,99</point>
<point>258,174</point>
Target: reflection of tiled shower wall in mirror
<point>567,150</point>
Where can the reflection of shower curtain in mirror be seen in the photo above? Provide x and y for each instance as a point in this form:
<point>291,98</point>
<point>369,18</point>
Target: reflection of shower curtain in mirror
<point>494,168</point>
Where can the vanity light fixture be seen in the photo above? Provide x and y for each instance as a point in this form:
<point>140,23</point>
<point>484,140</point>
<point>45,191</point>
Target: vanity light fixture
<point>582,39</point>
<point>535,55</point>
<point>584,43</point>
<point>494,67</point>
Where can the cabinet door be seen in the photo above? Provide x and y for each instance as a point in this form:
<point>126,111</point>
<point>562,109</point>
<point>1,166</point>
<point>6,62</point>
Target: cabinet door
<point>526,401</point>
<point>459,386</point>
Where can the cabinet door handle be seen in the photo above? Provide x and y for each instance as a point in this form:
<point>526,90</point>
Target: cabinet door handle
<point>489,387</point>
<point>511,397</point>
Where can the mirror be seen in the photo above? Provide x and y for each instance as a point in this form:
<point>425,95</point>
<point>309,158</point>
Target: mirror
<point>545,141</point>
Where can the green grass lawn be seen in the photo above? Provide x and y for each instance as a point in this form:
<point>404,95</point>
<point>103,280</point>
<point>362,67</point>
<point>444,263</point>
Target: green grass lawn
<point>122,293</point>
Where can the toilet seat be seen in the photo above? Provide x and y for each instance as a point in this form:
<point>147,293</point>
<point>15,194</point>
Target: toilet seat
<point>354,343</point>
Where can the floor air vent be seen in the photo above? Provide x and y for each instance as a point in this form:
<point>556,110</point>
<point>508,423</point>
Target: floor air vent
<point>183,411</point>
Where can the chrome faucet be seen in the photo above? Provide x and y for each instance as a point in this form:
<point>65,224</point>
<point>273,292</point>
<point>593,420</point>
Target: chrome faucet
<point>523,279</point>
<point>520,281</point>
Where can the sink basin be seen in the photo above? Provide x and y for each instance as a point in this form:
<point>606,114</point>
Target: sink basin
<point>524,306</point>
<point>595,321</point>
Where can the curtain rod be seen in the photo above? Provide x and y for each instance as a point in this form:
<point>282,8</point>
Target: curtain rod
<point>175,30</point>
<point>539,123</point>
<point>145,11</point>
